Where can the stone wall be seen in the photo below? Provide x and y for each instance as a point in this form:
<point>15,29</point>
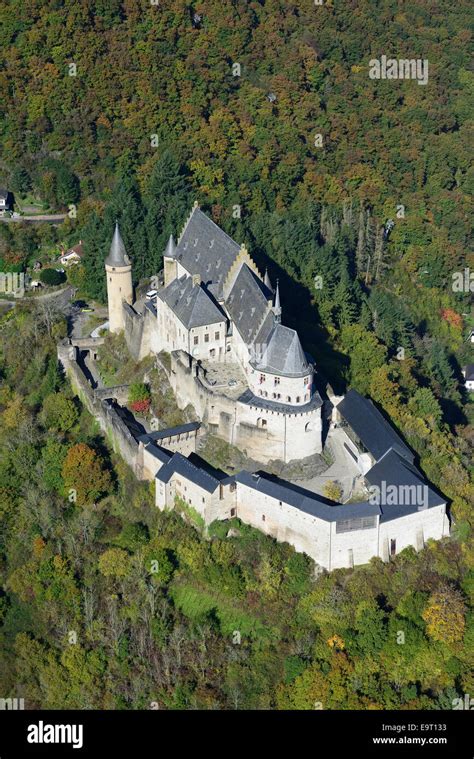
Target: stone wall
<point>263,435</point>
<point>103,409</point>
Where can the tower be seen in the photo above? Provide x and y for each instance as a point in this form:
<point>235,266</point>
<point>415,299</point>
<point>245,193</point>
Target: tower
<point>169,261</point>
<point>277,305</point>
<point>119,281</point>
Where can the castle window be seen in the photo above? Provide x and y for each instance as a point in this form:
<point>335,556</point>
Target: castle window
<point>306,380</point>
<point>217,336</point>
<point>196,340</point>
<point>203,500</point>
<point>206,338</point>
<point>297,399</point>
<point>262,378</point>
<point>264,422</point>
<point>263,517</point>
<point>288,399</point>
<point>277,380</point>
<point>232,512</point>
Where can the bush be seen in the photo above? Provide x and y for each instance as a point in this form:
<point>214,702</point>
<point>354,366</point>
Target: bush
<point>52,277</point>
<point>139,397</point>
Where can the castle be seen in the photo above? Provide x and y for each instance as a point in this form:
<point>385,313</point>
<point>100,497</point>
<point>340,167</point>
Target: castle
<point>250,382</point>
<point>243,371</point>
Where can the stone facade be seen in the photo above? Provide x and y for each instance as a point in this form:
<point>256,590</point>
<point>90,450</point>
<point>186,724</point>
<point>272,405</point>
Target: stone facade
<point>216,308</point>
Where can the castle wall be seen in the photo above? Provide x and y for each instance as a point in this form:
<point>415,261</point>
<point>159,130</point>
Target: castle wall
<point>317,538</point>
<point>140,330</point>
<point>110,422</point>
<point>354,547</point>
<point>413,530</point>
<point>306,533</point>
<point>264,435</point>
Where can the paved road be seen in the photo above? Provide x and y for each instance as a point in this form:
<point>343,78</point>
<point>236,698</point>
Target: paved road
<point>63,297</point>
<point>51,218</point>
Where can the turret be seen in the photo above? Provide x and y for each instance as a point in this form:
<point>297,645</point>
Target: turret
<point>277,306</point>
<point>169,261</point>
<point>119,281</point>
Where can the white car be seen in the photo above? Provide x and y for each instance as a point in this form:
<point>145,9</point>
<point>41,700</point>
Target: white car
<point>151,294</point>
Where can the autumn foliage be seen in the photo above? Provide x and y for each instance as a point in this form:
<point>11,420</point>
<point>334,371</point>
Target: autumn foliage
<point>85,474</point>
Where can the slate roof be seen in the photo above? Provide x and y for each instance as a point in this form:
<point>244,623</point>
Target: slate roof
<point>375,432</point>
<point>305,500</point>
<point>205,249</point>
<point>159,453</point>
<point>117,253</point>
<point>394,471</point>
<point>247,303</point>
<point>170,248</point>
<point>262,338</point>
<point>469,369</point>
<point>178,464</point>
<point>193,306</point>
<point>283,354</point>
<point>169,431</point>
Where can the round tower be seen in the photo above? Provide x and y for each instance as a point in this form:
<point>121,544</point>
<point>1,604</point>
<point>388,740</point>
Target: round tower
<point>119,281</point>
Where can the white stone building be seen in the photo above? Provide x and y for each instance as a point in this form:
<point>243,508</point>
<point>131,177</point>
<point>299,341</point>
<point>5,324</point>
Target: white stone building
<point>218,311</point>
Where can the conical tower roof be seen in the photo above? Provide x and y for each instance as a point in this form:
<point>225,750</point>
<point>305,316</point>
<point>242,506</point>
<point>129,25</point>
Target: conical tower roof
<point>117,253</point>
<point>170,248</point>
<point>277,306</point>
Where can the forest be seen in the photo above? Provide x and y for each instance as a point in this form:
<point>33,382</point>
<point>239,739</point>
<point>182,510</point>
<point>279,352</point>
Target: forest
<point>107,603</point>
<point>356,193</point>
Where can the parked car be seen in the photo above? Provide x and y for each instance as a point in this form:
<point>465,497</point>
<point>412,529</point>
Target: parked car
<point>151,294</point>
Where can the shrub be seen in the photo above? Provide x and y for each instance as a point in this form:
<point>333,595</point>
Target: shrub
<point>52,277</point>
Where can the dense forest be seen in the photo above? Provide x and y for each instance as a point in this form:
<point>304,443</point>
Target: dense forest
<point>107,603</point>
<point>265,113</point>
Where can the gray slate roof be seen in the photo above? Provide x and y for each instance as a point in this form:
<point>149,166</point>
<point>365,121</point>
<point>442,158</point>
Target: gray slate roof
<point>469,369</point>
<point>395,470</point>
<point>158,452</point>
<point>180,465</point>
<point>371,427</point>
<point>247,303</point>
<point>305,500</point>
<point>170,248</point>
<point>283,354</point>
<point>193,306</point>
<point>117,253</point>
<point>170,431</point>
<point>205,249</point>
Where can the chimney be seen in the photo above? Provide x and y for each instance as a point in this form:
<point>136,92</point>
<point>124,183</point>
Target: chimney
<point>196,280</point>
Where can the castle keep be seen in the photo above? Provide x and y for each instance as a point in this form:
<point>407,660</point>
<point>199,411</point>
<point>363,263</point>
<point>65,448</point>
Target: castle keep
<point>244,372</point>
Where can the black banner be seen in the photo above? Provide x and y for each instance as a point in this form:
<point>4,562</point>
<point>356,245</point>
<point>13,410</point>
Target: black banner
<point>373,733</point>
